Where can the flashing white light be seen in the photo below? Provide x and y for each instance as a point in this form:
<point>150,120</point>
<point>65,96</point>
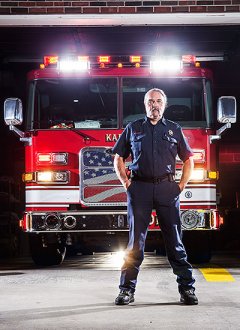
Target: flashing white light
<point>117,258</point>
<point>197,175</point>
<point>44,176</point>
<point>165,65</point>
<point>51,177</point>
<point>73,65</point>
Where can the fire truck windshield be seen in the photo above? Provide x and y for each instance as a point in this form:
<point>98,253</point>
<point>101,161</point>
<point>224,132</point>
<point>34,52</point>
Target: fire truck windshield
<point>185,99</point>
<point>94,103</point>
<point>79,103</point>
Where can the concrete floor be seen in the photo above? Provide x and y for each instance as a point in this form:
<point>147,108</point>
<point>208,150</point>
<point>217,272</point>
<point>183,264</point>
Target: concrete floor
<point>80,293</point>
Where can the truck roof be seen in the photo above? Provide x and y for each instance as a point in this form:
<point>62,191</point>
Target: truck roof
<point>54,73</point>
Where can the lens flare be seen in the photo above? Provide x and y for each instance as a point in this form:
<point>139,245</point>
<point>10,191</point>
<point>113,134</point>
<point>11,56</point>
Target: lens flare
<point>117,258</point>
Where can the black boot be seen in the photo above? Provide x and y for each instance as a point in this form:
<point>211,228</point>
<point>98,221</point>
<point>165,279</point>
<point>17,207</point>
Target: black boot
<point>125,297</point>
<point>188,297</point>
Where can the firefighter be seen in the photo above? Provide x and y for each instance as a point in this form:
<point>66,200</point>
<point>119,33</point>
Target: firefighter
<point>154,142</point>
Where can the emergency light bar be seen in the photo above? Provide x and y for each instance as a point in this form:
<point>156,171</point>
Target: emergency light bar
<point>166,64</point>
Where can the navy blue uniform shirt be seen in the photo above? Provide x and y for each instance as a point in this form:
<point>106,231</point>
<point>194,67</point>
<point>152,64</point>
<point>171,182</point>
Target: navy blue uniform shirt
<point>153,148</point>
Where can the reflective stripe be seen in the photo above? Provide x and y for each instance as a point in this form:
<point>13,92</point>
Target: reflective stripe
<point>52,195</point>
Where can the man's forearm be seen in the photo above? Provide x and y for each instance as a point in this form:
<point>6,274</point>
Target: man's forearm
<point>120,169</point>
<point>187,170</point>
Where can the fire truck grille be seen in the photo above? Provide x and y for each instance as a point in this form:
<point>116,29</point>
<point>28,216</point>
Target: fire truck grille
<point>99,185</point>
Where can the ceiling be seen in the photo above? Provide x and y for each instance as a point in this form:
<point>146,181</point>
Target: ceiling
<point>143,19</point>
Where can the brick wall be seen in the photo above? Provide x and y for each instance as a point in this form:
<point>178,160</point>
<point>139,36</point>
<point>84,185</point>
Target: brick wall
<point>9,7</point>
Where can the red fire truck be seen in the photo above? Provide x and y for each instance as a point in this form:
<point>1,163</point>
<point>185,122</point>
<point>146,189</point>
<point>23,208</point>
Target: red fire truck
<point>76,109</point>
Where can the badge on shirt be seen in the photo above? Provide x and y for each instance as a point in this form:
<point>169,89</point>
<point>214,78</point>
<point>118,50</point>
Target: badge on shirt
<point>170,132</point>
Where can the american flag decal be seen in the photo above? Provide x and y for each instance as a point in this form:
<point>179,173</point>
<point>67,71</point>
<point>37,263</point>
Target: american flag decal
<point>99,185</point>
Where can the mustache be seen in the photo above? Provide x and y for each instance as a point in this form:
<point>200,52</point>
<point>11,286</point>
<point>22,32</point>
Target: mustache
<point>154,108</point>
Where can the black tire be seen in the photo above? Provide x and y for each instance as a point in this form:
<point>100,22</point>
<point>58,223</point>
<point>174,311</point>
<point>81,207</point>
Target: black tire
<point>86,252</point>
<point>13,248</point>
<point>9,235</point>
<point>198,246</point>
<point>51,255</point>
<point>71,251</point>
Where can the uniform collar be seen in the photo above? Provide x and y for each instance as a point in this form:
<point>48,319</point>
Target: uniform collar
<point>162,121</point>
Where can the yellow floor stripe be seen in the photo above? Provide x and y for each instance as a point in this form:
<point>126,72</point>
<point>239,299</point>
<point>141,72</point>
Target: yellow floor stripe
<point>216,275</point>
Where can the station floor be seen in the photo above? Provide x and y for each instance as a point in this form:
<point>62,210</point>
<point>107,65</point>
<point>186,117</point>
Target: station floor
<point>80,293</point>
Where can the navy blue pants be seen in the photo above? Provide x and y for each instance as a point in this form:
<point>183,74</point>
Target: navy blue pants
<point>143,197</point>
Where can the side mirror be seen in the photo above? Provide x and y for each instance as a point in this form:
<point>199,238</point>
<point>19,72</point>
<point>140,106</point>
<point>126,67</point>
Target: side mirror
<point>13,111</point>
<point>227,109</point>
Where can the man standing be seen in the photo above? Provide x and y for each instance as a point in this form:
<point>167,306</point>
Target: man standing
<point>154,142</point>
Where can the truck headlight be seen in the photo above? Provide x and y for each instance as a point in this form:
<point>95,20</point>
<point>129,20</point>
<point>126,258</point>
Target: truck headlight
<point>198,175</point>
<point>52,177</point>
<point>54,158</point>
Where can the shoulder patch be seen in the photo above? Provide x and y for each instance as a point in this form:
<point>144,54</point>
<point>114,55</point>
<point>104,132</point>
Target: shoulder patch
<point>172,124</point>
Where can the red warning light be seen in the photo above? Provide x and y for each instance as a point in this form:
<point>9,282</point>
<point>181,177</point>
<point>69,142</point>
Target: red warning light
<point>49,60</point>
<point>191,59</point>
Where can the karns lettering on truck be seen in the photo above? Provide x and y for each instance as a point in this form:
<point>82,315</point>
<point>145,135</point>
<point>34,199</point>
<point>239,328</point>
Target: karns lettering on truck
<point>112,137</point>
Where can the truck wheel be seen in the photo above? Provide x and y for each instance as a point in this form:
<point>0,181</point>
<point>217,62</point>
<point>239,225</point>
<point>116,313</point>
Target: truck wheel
<point>52,254</point>
<point>9,235</point>
<point>198,246</point>
<point>14,245</point>
<point>71,251</point>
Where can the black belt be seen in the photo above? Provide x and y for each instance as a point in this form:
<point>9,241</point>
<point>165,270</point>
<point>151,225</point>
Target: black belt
<point>158,179</point>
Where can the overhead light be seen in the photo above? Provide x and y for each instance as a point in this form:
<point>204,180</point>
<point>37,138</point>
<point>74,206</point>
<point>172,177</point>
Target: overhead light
<point>165,64</point>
